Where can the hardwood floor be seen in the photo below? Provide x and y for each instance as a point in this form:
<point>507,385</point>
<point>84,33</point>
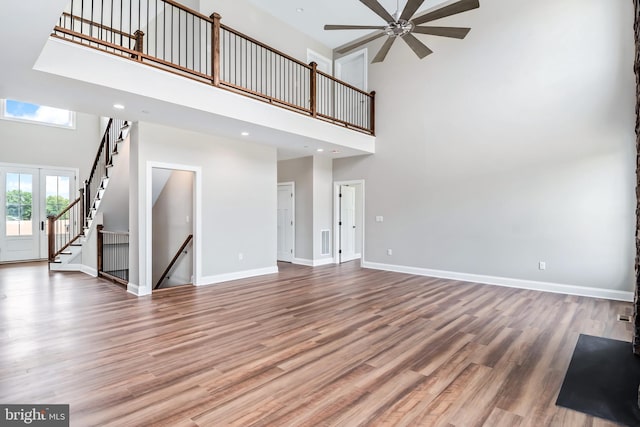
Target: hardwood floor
<point>305,347</point>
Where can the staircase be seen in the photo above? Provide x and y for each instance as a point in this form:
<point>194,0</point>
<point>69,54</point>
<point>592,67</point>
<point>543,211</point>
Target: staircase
<point>70,230</point>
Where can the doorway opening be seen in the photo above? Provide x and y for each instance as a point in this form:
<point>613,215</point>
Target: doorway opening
<point>349,220</point>
<point>172,227</point>
<point>286,221</point>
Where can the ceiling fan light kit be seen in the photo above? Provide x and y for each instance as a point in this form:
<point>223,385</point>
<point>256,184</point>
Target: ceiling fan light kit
<point>404,25</point>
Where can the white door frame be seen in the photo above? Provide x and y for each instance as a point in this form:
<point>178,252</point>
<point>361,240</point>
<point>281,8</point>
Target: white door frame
<point>313,56</point>
<point>336,217</point>
<point>362,52</point>
<point>293,217</point>
<point>145,287</point>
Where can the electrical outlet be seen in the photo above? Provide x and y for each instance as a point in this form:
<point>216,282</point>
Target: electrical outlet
<point>389,252</point>
<point>240,256</point>
<point>379,219</point>
<point>542,265</point>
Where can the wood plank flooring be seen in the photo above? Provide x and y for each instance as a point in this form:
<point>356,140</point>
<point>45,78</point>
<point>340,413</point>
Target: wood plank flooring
<point>328,346</point>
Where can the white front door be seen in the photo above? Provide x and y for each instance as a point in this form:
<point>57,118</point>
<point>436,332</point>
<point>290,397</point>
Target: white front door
<point>347,223</point>
<point>28,194</point>
<point>285,222</point>
<point>58,191</point>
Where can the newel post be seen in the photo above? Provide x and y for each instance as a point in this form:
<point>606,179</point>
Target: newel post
<point>139,46</point>
<point>51,237</point>
<point>215,49</point>
<point>100,253</point>
<point>373,113</point>
<point>313,89</point>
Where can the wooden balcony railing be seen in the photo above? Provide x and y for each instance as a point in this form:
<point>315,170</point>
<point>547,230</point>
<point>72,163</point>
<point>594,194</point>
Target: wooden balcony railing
<point>168,35</point>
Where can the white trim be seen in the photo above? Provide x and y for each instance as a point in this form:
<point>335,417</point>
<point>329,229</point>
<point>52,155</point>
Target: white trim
<point>136,290</point>
<point>146,218</point>
<point>557,288</point>
<point>313,263</point>
<point>4,116</point>
<point>227,277</point>
<point>336,217</point>
<point>89,270</point>
<point>313,55</point>
<point>293,217</point>
<point>59,266</point>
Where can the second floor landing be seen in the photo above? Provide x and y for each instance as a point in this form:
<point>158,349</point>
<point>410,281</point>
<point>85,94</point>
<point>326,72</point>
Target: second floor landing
<point>51,70</point>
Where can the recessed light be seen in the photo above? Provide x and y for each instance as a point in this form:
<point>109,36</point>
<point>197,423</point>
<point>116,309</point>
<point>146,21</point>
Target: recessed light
<point>245,134</point>
<point>118,106</point>
<point>335,151</point>
<point>299,10</point>
<point>320,150</point>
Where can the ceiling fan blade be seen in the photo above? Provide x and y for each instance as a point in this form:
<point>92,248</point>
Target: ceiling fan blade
<point>411,8</point>
<point>453,32</point>
<point>378,9</point>
<point>452,9</point>
<point>384,50</point>
<point>346,48</point>
<point>354,27</point>
<point>416,45</point>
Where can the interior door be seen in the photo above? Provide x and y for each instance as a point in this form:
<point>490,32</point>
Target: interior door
<point>58,190</point>
<point>19,233</point>
<point>285,222</point>
<point>353,69</point>
<point>347,223</point>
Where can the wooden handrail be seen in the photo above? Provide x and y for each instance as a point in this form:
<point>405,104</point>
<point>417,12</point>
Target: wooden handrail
<point>67,209</point>
<point>345,84</point>
<point>214,58</point>
<point>269,48</point>
<point>100,148</point>
<point>98,25</point>
<point>174,260</point>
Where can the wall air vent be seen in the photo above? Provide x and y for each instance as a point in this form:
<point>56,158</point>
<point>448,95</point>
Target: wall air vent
<point>326,242</point>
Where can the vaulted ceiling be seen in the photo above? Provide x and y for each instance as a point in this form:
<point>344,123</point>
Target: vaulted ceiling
<point>315,14</point>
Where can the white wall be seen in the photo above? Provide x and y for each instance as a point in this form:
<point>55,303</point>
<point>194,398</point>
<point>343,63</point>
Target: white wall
<point>513,146</point>
<point>244,17</point>
<point>238,206</point>
<point>322,204</point>
<point>41,145</point>
<point>300,171</point>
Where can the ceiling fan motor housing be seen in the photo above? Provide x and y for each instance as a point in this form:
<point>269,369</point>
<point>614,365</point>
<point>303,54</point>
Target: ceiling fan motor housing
<point>399,28</point>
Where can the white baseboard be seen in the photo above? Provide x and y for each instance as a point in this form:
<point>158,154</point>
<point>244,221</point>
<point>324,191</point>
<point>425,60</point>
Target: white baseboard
<point>212,280</point>
<point>66,267</point>
<point>89,270</point>
<point>507,282</point>
<point>134,289</point>
<point>313,263</point>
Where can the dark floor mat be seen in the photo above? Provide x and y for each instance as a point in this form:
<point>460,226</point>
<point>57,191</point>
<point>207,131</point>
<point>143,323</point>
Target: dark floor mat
<point>602,380</point>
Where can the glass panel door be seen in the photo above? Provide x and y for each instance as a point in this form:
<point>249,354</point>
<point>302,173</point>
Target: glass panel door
<point>59,190</point>
<point>20,210</point>
<point>27,196</point>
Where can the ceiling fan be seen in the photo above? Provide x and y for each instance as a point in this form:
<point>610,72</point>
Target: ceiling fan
<point>402,25</point>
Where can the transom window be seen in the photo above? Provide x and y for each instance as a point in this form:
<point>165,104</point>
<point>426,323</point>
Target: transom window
<point>41,114</point>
